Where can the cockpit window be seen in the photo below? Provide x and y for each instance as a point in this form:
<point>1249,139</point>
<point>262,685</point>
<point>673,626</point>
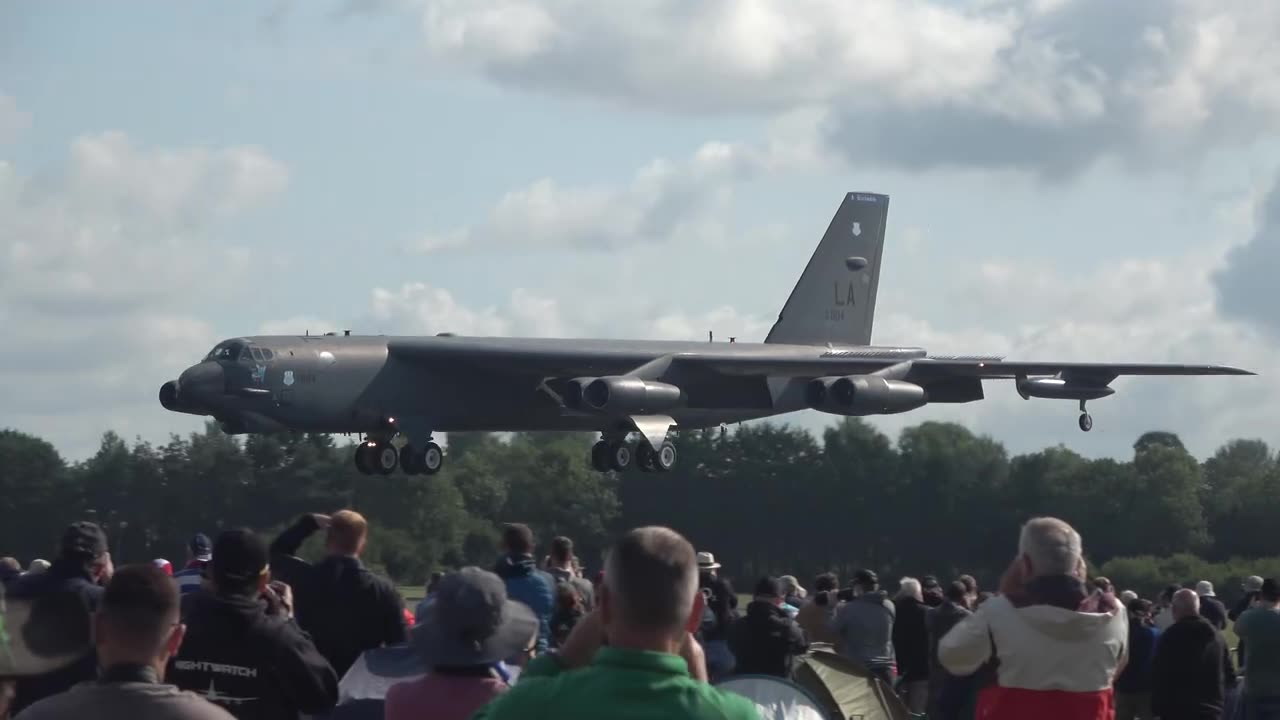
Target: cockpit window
<point>225,351</point>
<point>257,354</point>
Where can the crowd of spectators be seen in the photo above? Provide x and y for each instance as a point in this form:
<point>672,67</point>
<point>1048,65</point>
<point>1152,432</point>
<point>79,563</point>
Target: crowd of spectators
<point>247,628</point>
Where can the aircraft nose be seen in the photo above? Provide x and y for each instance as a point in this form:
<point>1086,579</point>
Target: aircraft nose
<point>193,388</point>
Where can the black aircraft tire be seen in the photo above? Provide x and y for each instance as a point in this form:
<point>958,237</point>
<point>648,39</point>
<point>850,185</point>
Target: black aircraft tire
<point>410,460</point>
<point>620,456</point>
<point>362,459</point>
<point>600,453</point>
<point>1086,422</point>
<point>431,460</point>
<point>665,458</point>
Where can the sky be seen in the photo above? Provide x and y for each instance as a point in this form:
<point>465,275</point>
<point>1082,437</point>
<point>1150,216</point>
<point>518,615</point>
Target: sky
<point>1069,180</point>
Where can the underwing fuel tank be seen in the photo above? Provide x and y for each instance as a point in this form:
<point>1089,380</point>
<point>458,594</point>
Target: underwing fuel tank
<point>1060,389</point>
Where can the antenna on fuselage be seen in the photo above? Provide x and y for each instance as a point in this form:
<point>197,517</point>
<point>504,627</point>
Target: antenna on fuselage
<point>711,336</point>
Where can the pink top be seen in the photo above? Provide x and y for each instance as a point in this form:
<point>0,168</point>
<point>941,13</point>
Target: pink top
<point>440,697</point>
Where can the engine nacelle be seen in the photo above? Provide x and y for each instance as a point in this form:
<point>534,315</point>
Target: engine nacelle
<point>864,395</point>
<point>630,395</point>
<point>1060,389</point>
<point>573,392</point>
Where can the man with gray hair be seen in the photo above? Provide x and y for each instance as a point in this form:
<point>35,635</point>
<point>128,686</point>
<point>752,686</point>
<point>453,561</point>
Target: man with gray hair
<point>1191,665</point>
<point>636,644</point>
<point>911,644</point>
<point>1059,645</point>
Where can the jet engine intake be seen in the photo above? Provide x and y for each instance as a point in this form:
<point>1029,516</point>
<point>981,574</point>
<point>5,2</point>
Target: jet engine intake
<point>864,395</point>
<point>630,395</point>
<point>1061,389</point>
<point>573,392</point>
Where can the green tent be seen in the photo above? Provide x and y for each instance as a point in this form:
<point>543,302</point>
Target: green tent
<point>845,689</point>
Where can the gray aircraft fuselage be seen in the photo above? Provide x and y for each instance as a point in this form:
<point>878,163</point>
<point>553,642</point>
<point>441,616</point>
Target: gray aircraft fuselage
<point>353,384</point>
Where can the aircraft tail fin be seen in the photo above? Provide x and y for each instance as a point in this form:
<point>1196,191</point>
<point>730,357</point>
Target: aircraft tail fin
<point>835,299</point>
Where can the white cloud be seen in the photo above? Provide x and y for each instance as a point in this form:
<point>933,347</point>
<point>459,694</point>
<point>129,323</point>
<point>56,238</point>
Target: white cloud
<point>665,201</point>
<point>1246,282</point>
<point>12,120</point>
<point>1044,86</point>
<point>101,264</point>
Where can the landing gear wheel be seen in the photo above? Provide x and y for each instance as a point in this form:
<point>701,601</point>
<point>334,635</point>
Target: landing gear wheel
<point>385,458</point>
<point>410,460</point>
<point>620,456</point>
<point>1086,422</point>
<point>646,458</point>
<point>363,460</point>
<point>431,459</point>
<point>665,458</point>
<point>600,454</point>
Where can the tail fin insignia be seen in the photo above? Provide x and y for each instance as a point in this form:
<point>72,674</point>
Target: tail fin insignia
<point>835,300</point>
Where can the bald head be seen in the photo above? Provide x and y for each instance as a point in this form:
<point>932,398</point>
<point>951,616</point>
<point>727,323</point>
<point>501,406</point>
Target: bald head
<point>1186,603</point>
<point>651,577</point>
<point>1051,547</point>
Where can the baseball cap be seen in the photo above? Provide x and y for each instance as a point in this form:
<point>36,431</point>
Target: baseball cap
<point>470,622</point>
<point>239,557</point>
<point>201,548</point>
<point>930,582</point>
<point>1253,583</point>
<point>789,581</point>
<point>866,578</point>
<point>83,541</point>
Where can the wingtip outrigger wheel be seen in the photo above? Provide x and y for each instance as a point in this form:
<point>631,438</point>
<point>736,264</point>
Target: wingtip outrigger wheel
<point>1086,420</point>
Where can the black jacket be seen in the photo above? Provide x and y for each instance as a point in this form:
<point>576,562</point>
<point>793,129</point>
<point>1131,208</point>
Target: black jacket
<point>911,639</point>
<point>765,641</point>
<point>722,605</point>
<point>1214,611</point>
<point>343,606</point>
<point>1136,675</point>
<point>66,591</point>
<point>1189,671</point>
<point>1241,605</point>
<point>939,622</point>
<point>256,666</point>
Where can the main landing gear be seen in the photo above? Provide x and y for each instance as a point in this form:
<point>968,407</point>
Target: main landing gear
<point>381,457</point>
<point>619,454</point>
<point>1086,420</point>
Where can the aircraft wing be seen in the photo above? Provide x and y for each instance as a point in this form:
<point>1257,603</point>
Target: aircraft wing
<point>1108,371</point>
<point>567,360</point>
<point>925,369</point>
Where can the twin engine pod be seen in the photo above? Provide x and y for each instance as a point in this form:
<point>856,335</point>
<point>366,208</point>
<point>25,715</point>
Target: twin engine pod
<point>864,395</point>
<point>622,395</point>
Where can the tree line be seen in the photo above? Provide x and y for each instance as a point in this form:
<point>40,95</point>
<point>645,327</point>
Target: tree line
<point>765,498</point>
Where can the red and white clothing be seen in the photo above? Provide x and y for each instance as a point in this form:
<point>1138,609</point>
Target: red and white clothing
<point>1055,663</point>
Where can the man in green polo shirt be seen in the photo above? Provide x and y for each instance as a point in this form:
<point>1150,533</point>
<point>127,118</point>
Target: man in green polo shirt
<point>632,657</point>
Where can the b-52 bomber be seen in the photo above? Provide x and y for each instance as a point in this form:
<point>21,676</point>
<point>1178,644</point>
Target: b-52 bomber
<point>396,391</point>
